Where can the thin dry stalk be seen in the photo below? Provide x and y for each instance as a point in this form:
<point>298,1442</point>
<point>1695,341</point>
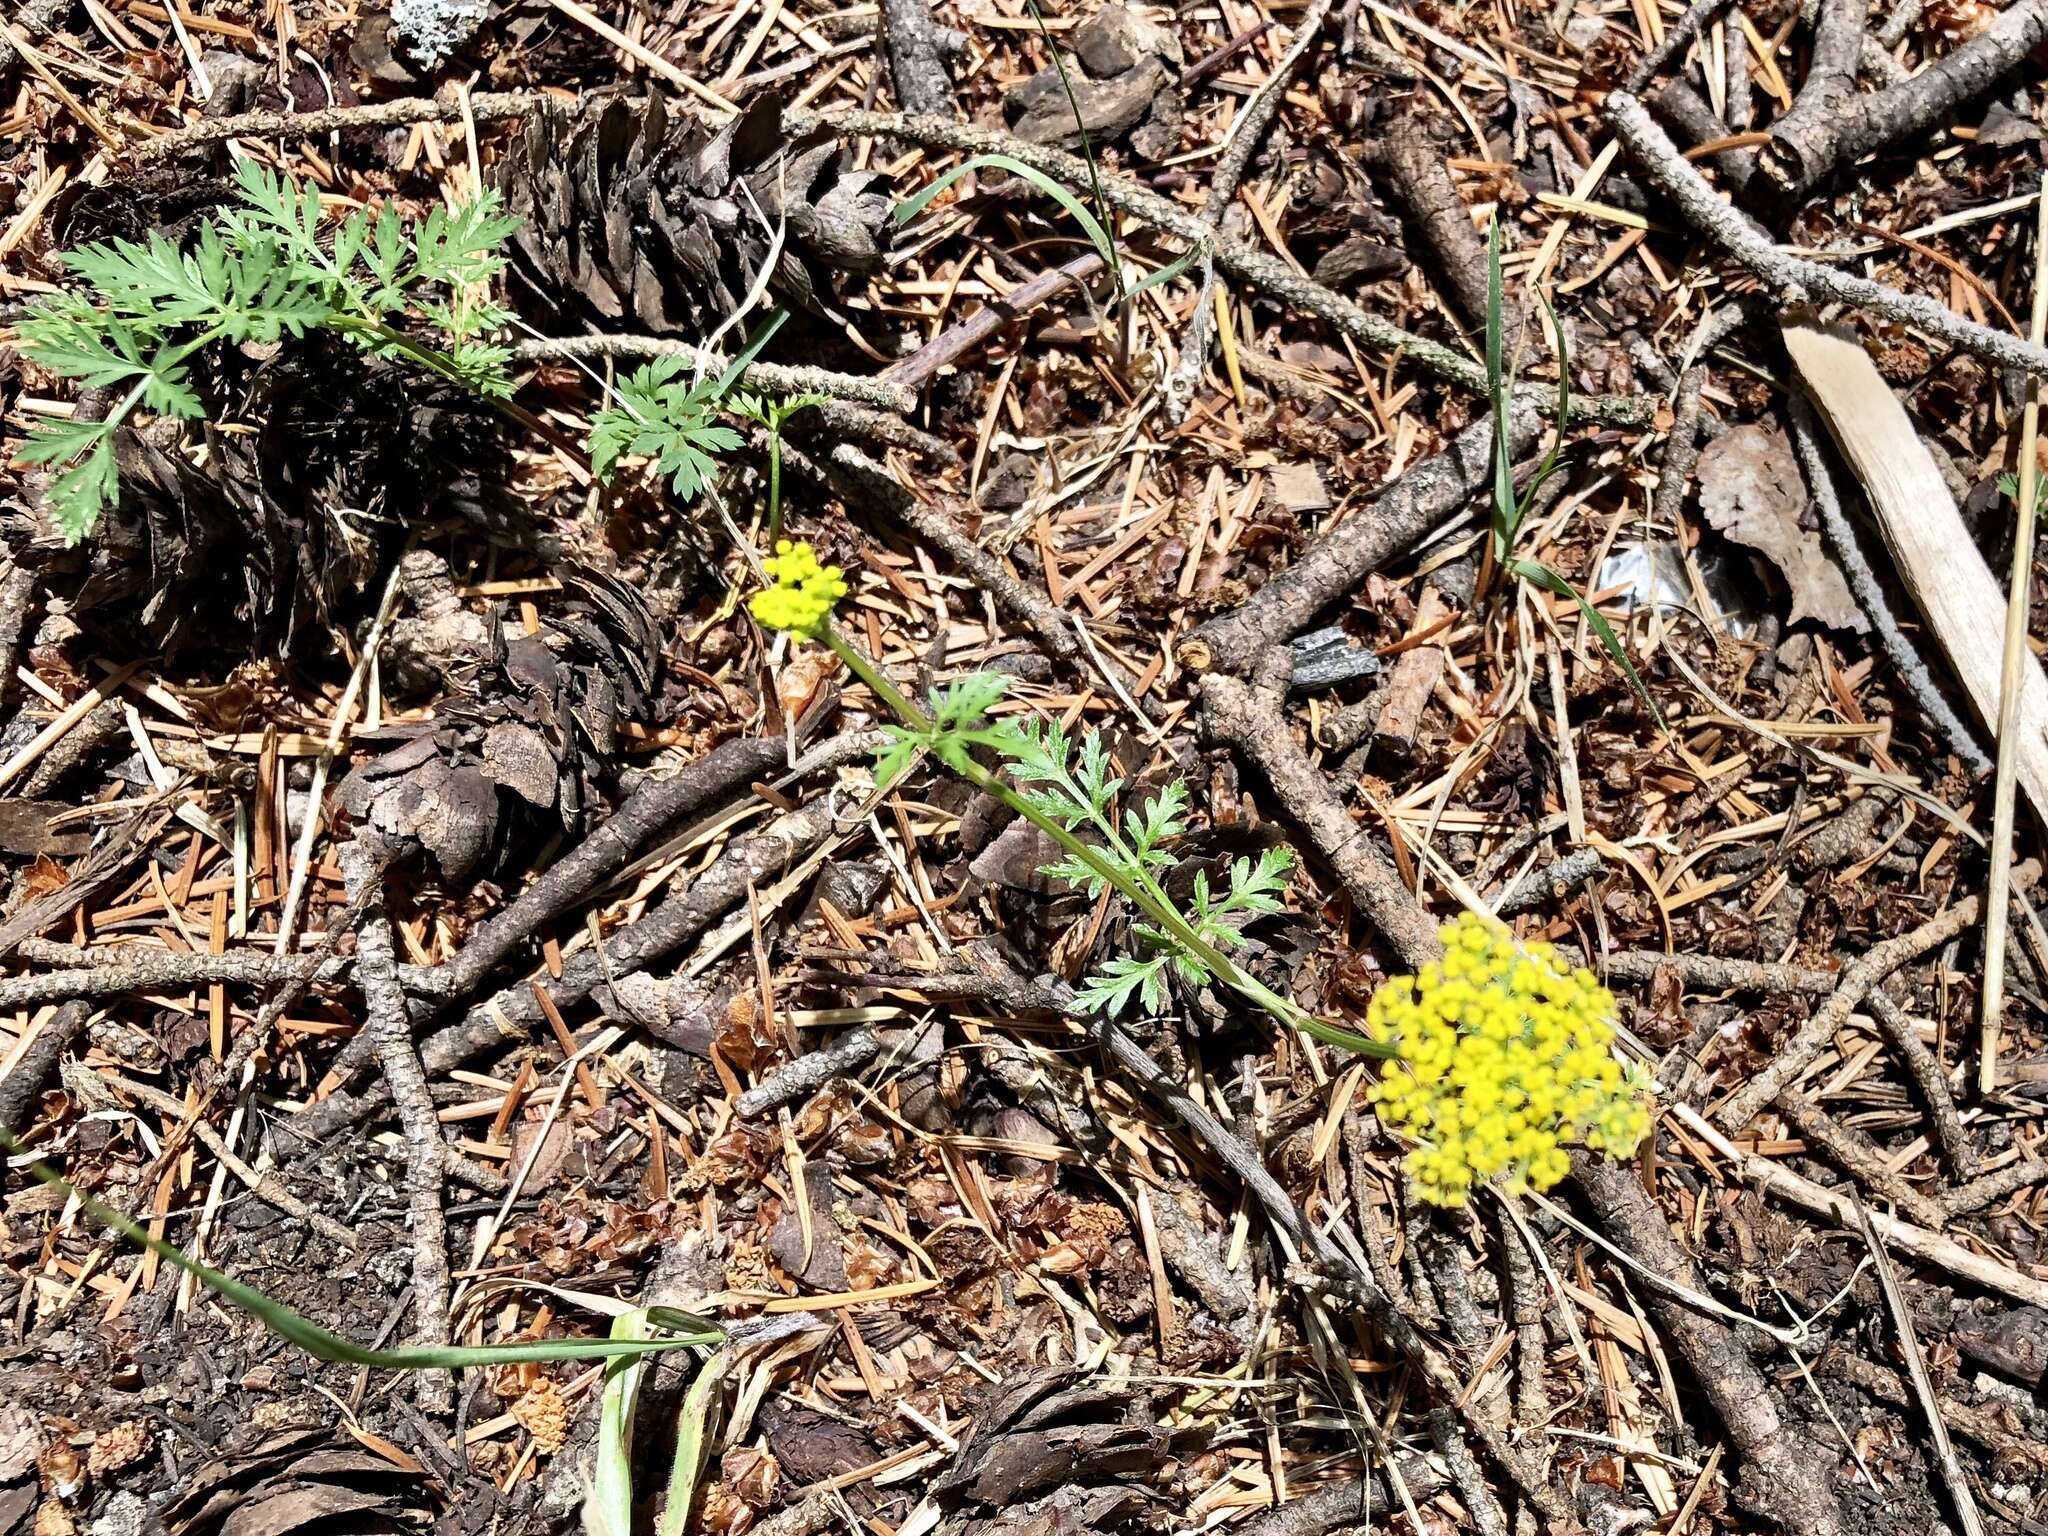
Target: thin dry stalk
<point>2011,686</point>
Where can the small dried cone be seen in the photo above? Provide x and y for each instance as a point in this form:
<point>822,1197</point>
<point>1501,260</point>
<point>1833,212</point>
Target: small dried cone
<point>53,1519</point>
<point>122,1446</point>
<point>545,1416</point>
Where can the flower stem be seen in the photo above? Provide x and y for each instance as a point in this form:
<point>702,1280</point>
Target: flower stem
<point>1159,910</point>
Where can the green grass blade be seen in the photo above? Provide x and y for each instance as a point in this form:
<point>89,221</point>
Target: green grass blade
<point>1505,514</point>
<point>1166,274</point>
<point>1090,225</point>
<point>1541,575</point>
<point>1080,127</point>
<point>752,350</point>
<point>692,1442</point>
<point>608,1511</point>
<point>322,1345</point>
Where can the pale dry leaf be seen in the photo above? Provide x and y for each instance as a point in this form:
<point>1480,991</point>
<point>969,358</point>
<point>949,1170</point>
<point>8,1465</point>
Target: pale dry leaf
<point>1960,599</point>
<point>1751,492</point>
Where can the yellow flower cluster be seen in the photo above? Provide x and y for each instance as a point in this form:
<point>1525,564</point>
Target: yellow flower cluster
<point>804,591</point>
<point>1503,1058</point>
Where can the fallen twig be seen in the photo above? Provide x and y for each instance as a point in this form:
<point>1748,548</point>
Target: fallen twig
<point>1247,131</point>
<point>1782,1475</point>
<point>1862,125</point>
<point>24,1082</point>
<point>911,43</point>
<point>1333,566</point>
<point>1811,1038</point>
<point>1836,1206</point>
<point>644,816</point>
<point>778,378</point>
<point>1247,716</point>
<point>267,1187</point>
<point>513,1012</point>
<point>809,1072</point>
<point>1952,1473</point>
<point>384,1008</point>
<point>918,369</point>
<point>1870,596</point>
<point>1793,279</point>
<point>1410,160</point>
<point>1256,269</point>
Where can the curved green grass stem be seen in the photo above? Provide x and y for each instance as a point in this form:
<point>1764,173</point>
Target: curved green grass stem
<point>1148,901</point>
<point>683,1329</point>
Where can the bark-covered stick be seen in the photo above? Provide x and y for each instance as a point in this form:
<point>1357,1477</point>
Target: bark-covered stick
<point>24,1082</point>
<point>1790,277</point>
<point>1343,556</point>
<point>810,1072</point>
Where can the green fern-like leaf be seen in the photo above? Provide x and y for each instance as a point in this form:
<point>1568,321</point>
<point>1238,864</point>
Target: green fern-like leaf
<point>255,273</point>
<point>968,700</point>
<point>1112,989</point>
<point>657,416</point>
<point>79,496</point>
<point>1163,818</point>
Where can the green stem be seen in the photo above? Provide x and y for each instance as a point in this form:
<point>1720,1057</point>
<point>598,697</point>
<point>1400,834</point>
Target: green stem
<point>1160,911</point>
<point>322,1345</point>
<point>774,481</point>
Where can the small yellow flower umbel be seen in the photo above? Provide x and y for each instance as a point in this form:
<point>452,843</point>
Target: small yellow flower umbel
<point>1503,1058</point>
<point>804,591</point>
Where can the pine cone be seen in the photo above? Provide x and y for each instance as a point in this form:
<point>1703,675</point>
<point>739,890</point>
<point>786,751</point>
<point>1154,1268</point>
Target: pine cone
<point>122,1446</point>
<point>299,503</point>
<point>545,1416</point>
<point>630,216</point>
<point>63,1474</point>
<point>524,724</point>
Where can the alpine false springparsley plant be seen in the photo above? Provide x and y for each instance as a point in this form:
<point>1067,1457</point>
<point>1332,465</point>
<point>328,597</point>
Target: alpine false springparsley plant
<point>1497,1057</point>
<point>657,414</point>
<point>1069,794</point>
<point>770,412</point>
<point>256,272</point>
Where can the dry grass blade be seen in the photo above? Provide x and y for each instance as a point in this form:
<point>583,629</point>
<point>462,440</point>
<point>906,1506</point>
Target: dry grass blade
<point>2015,666</point>
<point>1952,1472</point>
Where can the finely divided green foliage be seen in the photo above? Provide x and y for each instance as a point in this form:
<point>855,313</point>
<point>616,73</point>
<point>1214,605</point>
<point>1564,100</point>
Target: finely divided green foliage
<point>657,414</point>
<point>1073,785</point>
<point>1508,508</point>
<point>771,412</point>
<point>256,273</point>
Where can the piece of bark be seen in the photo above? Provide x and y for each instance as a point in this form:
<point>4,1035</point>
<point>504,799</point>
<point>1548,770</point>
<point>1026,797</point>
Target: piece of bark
<point>1415,676</point>
<point>1247,717</point>
<point>1411,160</point>
<point>1805,133</point>
<point>1931,548</point>
<point>24,1082</point>
<point>1863,125</point>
